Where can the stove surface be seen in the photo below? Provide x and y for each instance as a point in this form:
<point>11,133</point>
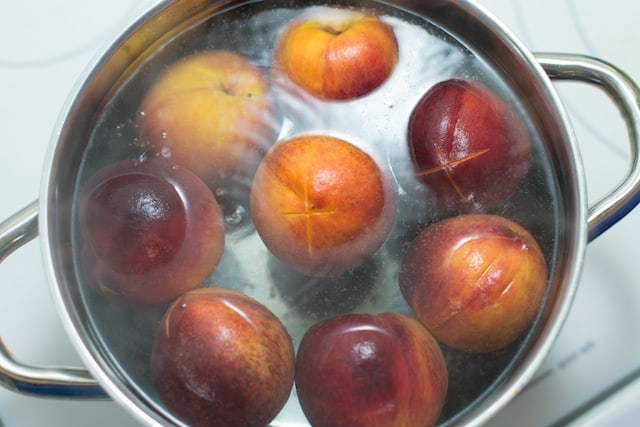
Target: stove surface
<point>589,377</point>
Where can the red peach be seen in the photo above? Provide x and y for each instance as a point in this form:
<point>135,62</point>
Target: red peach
<point>468,146</point>
<point>362,370</point>
<point>152,230</point>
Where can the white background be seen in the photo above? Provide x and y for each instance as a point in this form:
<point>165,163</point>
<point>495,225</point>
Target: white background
<point>45,46</point>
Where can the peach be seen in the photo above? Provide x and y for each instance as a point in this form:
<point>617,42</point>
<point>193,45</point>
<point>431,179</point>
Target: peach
<point>210,112</point>
<point>469,146</point>
<point>475,281</point>
<point>363,370</point>
<point>336,54</point>
<point>222,358</point>
<point>152,230</point>
<point>321,205</point>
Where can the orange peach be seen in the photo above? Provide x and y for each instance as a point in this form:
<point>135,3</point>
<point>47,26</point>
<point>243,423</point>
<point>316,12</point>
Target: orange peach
<point>364,370</point>
<point>210,112</point>
<point>321,205</point>
<point>337,54</point>
<point>475,281</point>
<point>222,358</point>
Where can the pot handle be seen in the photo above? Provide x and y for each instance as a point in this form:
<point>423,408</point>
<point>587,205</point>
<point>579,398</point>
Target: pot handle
<point>19,229</point>
<point>626,96</point>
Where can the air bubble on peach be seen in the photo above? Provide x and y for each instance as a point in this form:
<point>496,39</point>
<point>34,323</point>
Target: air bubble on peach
<point>141,158</point>
<point>165,152</point>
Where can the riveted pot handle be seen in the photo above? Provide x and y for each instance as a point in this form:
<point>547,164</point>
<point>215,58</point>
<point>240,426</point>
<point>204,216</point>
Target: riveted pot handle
<point>626,96</point>
<point>39,381</point>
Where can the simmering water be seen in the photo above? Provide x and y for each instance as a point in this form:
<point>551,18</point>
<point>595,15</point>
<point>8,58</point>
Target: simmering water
<point>376,123</point>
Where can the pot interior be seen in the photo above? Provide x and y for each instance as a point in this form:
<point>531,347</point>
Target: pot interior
<point>437,41</point>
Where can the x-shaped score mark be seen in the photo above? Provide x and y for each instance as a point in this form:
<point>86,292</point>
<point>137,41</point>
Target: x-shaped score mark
<point>309,211</point>
<point>447,166</point>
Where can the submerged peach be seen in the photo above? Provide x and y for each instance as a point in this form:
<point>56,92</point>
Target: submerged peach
<point>321,205</point>
<point>222,358</point>
<point>469,146</point>
<point>475,281</point>
<point>152,230</point>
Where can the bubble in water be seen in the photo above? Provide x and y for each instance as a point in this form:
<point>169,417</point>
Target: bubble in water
<point>165,152</point>
<point>142,157</point>
<point>236,216</point>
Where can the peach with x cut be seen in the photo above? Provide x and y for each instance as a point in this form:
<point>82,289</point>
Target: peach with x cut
<point>321,205</point>
<point>468,146</point>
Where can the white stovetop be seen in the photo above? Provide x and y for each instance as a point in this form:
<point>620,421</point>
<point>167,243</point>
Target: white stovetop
<point>44,47</point>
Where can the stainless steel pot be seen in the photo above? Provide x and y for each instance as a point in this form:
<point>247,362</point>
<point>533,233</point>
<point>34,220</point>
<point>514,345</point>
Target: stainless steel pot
<point>530,76</point>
